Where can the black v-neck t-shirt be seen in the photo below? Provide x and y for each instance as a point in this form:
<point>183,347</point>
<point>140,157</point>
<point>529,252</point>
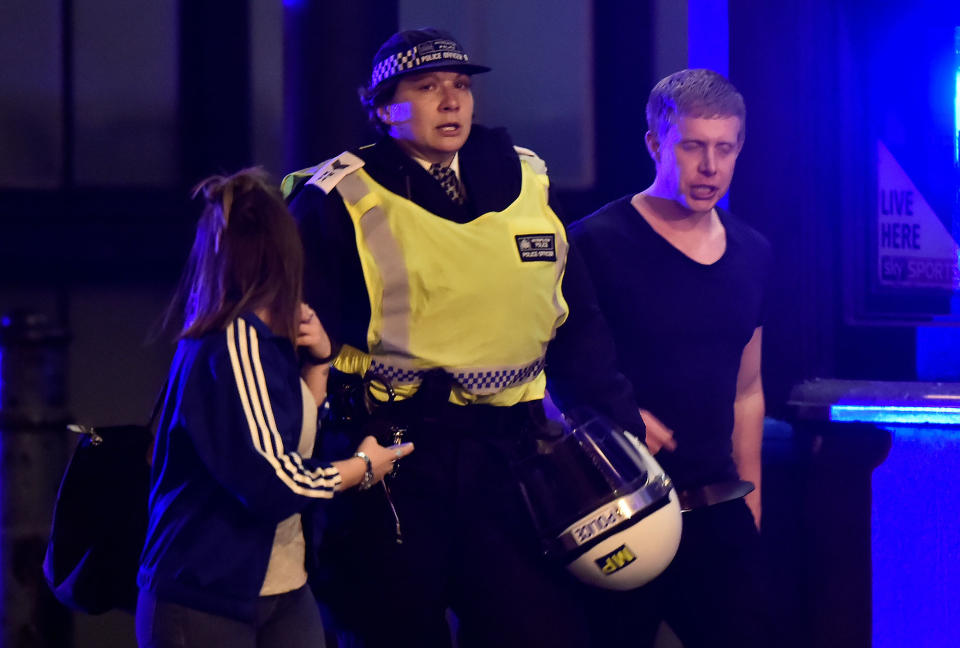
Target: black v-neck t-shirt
<point>679,327</point>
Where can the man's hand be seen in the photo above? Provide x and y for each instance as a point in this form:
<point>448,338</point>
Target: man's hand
<point>658,435</point>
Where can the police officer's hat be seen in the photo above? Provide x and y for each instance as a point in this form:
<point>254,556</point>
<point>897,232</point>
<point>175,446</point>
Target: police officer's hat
<point>416,50</point>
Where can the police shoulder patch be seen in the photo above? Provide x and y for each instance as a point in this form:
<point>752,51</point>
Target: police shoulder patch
<point>333,171</point>
<point>531,158</point>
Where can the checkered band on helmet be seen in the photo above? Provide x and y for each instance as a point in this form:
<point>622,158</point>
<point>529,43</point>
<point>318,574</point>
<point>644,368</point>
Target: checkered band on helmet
<point>390,66</point>
<point>475,382</point>
<point>436,52</point>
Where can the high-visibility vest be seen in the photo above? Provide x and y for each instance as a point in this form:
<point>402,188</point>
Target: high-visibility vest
<point>481,300</point>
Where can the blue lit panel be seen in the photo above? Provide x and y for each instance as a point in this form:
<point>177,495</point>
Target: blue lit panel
<point>956,101</point>
<point>938,348</point>
<point>708,35</point>
<point>878,413</point>
<point>708,43</point>
<point>915,539</point>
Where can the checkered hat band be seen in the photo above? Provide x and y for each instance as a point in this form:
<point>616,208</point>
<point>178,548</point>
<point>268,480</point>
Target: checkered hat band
<point>415,57</point>
<point>476,382</point>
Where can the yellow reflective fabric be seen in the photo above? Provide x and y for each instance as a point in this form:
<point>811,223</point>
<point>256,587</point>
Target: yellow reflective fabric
<point>458,295</point>
<point>291,180</point>
<point>351,360</point>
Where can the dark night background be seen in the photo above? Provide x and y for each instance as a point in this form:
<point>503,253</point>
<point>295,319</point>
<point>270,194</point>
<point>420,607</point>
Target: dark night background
<point>111,110</point>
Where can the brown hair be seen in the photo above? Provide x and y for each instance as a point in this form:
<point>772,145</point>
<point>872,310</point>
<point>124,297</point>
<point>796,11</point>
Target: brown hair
<point>373,98</point>
<point>246,255</point>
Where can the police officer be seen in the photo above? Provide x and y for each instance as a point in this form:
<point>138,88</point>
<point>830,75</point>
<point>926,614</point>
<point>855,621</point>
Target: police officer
<point>434,261</point>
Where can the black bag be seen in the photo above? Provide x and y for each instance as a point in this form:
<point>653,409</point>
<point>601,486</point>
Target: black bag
<point>100,520</point>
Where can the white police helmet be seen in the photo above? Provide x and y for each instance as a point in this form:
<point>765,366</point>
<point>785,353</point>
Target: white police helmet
<point>602,505</point>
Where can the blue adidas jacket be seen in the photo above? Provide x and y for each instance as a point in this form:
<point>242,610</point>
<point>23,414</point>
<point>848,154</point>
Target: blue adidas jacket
<point>226,470</point>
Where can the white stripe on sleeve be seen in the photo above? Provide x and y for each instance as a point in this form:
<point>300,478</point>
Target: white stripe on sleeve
<point>244,352</point>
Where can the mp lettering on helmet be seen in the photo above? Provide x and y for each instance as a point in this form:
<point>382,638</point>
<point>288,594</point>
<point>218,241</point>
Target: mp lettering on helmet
<point>615,560</point>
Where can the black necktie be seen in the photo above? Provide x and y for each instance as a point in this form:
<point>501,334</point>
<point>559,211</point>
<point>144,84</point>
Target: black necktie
<point>449,181</point>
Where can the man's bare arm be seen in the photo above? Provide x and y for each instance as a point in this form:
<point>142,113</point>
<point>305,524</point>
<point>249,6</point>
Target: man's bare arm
<point>748,412</point>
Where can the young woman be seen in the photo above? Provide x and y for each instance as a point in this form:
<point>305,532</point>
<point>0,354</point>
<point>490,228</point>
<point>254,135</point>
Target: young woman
<point>223,563</point>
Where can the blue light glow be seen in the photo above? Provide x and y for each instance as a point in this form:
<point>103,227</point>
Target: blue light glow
<point>938,348</point>
<point>708,43</point>
<point>956,100</point>
<point>931,436</point>
<point>915,527</point>
<point>917,415</point>
<point>708,36</point>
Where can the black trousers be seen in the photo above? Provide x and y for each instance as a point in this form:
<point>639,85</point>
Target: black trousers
<point>467,544</point>
<point>712,594</point>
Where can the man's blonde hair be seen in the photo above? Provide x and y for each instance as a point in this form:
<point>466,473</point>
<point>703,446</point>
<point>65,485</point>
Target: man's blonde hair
<point>693,93</point>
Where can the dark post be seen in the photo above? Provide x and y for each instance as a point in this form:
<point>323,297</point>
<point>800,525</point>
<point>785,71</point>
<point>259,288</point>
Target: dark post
<point>214,88</point>
<point>623,51</point>
<point>33,451</point>
<point>328,47</point>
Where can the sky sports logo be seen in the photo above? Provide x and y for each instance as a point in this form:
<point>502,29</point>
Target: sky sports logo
<point>916,270</point>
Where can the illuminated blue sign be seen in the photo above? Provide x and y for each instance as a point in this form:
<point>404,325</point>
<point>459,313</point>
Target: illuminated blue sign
<point>896,414</point>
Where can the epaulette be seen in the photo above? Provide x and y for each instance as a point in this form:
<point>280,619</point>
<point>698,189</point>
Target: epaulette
<point>531,158</point>
<point>334,171</point>
<point>292,182</point>
<point>325,175</point>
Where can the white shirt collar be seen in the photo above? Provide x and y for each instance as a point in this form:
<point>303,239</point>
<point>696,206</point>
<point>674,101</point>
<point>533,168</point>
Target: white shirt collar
<point>454,164</point>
